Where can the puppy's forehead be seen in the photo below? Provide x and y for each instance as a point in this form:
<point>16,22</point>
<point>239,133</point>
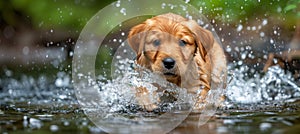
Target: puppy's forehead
<point>154,35</point>
<point>168,25</point>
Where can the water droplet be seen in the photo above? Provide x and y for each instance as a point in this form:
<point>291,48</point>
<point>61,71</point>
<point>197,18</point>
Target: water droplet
<point>271,41</point>
<point>279,9</point>
<point>85,123</point>
<point>62,96</point>
<point>265,126</point>
<point>243,56</point>
<point>228,49</point>
<point>25,50</point>
<point>25,117</point>
<point>35,123</point>
<point>71,53</point>
<point>123,11</point>
<point>240,63</point>
<point>118,4</point>
<point>118,57</point>
<point>248,28</point>
<point>66,123</point>
<point>261,34</point>
<point>58,82</point>
<point>163,5</point>
<point>259,27</point>
<point>54,128</point>
<point>8,73</point>
<point>239,28</point>
<point>265,22</point>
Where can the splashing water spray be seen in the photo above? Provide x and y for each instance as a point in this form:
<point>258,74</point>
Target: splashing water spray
<point>109,98</point>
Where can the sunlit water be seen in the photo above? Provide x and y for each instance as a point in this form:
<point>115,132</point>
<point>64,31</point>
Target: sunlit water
<point>40,103</point>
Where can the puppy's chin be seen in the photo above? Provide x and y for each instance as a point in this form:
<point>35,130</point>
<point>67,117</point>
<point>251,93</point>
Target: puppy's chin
<point>166,73</point>
<point>172,77</point>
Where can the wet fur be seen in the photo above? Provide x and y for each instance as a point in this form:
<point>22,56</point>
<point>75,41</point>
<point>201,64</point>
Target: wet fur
<point>200,64</point>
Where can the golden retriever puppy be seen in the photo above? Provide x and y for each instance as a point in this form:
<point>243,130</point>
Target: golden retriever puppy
<point>181,51</point>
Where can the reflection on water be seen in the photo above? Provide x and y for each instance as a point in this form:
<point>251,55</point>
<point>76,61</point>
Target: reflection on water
<point>37,118</point>
<point>267,103</point>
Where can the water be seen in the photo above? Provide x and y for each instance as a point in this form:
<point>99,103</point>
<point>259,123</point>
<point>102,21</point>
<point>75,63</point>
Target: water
<point>263,103</point>
<point>120,105</point>
<point>275,85</point>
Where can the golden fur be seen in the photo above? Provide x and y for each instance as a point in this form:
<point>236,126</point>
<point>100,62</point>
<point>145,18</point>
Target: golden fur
<point>199,60</point>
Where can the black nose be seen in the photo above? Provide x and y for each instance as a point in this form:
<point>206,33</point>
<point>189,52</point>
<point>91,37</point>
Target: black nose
<point>169,63</point>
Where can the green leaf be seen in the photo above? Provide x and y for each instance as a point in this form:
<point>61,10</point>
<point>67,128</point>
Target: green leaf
<point>290,7</point>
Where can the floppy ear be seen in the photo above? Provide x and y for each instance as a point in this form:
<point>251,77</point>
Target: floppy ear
<point>204,38</point>
<point>136,37</point>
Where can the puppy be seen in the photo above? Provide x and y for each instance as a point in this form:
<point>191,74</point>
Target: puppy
<point>182,52</point>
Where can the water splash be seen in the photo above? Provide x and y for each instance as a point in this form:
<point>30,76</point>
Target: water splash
<point>114,104</point>
<point>276,85</point>
<point>119,94</point>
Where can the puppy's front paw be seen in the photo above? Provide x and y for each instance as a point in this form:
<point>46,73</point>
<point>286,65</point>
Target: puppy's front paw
<point>145,99</point>
<point>200,104</point>
<point>150,107</point>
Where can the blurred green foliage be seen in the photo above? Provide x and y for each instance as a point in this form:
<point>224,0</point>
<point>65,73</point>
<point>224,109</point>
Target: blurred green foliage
<point>68,14</point>
<point>293,5</point>
<point>73,14</point>
<point>242,11</point>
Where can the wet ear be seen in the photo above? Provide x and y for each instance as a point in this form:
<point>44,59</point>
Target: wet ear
<point>136,36</point>
<point>204,38</point>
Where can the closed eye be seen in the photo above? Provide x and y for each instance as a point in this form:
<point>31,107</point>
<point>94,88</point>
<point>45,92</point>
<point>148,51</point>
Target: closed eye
<point>182,43</point>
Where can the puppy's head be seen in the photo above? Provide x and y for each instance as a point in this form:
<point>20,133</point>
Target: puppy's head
<point>166,44</point>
